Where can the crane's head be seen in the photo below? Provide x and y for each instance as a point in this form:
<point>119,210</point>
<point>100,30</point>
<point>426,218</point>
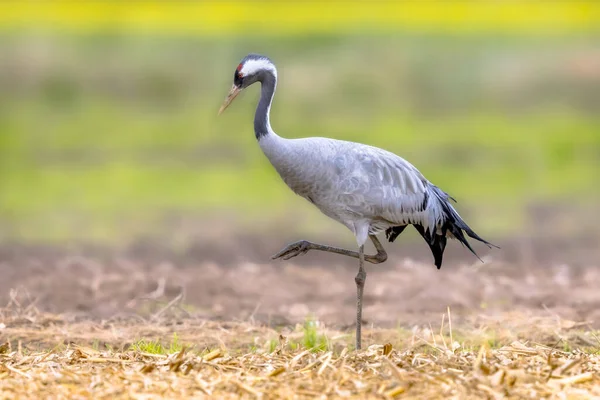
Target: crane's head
<point>251,69</point>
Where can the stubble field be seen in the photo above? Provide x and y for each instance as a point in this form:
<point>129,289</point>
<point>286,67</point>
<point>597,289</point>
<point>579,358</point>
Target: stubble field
<point>148,322</point>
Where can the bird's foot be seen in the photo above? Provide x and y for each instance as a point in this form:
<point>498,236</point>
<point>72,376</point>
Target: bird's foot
<point>293,250</point>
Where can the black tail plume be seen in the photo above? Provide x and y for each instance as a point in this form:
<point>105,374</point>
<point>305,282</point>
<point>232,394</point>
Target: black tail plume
<point>452,224</point>
<point>437,244</point>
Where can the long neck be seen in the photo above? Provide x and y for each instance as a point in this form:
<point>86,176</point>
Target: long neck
<point>262,125</point>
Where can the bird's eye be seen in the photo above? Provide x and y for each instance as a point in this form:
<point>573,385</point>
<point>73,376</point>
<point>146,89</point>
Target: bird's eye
<point>238,78</point>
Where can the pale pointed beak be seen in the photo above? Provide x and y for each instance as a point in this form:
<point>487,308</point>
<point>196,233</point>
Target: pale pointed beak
<point>232,95</point>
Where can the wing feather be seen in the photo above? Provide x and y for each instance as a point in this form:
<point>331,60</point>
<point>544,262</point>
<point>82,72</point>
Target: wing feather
<point>382,185</point>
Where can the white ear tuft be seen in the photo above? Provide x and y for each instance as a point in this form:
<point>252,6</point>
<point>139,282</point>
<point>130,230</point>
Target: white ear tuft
<point>252,66</point>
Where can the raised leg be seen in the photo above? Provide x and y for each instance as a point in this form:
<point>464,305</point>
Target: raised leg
<point>303,246</point>
<point>360,279</point>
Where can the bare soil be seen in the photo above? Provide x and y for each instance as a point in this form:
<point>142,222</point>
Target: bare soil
<point>542,276</point>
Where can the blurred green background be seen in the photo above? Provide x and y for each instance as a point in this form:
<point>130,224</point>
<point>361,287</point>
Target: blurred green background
<point>110,134</point>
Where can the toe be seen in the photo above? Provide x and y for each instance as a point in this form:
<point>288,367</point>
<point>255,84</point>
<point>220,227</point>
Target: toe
<point>283,252</point>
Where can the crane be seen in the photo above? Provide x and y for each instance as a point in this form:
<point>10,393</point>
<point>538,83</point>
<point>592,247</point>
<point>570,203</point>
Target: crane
<point>367,189</point>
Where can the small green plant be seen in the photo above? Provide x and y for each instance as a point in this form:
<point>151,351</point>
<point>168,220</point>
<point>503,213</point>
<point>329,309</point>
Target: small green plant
<point>155,347</point>
<point>272,345</point>
<point>592,350</point>
<point>311,339</point>
<point>175,345</point>
<point>147,346</point>
<point>493,342</point>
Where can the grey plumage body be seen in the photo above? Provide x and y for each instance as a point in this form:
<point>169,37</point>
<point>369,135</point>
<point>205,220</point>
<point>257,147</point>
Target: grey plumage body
<point>367,189</point>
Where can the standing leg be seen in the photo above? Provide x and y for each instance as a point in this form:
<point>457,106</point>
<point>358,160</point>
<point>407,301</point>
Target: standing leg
<point>303,246</point>
<point>360,279</point>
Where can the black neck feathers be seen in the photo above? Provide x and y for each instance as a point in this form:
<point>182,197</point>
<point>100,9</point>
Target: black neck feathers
<point>262,125</point>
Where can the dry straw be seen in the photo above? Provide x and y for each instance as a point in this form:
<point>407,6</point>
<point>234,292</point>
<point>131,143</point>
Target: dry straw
<point>216,362</point>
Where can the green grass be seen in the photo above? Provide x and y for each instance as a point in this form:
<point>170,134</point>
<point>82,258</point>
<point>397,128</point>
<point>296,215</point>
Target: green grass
<point>112,153</point>
<point>272,345</point>
<point>155,347</point>
<point>312,340</point>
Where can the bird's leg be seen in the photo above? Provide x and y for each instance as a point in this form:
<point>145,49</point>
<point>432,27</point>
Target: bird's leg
<point>360,279</point>
<point>303,246</point>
